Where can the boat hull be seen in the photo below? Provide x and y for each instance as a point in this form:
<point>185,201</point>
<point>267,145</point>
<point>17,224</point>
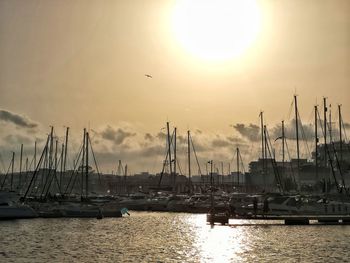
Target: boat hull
<point>15,212</point>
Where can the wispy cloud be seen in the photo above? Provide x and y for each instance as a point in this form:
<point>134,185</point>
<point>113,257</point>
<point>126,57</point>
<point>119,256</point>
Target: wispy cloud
<point>117,136</point>
<point>306,131</point>
<point>249,131</point>
<point>16,119</point>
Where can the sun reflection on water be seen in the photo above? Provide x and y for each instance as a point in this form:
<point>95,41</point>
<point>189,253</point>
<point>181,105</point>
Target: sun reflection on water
<point>217,243</point>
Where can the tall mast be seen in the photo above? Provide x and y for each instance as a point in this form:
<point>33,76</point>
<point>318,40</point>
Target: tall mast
<point>330,124</point>
<point>211,185</point>
<point>65,150</point>
<point>222,173</point>
<point>237,150</point>
<point>125,174</point>
<point>297,137</point>
<point>45,161</point>
<point>265,170</point>
<point>189,160</point>
<point>263,147</point>
<point>82,165</point>
<point>325,129</point>
<point>55,171</point>
<point>283,151</point>
<point>51,149</point>
<point>34,155</point>
<point>12,166</point>
<point>26,174</point>
<point>316,142</point>
<point>120,168</point>
<point>175,157</point>
<point>61,170</point>
<point>211,174</point>
<point>87,164</point>
<point>262,135</point>
<point>20,168</point>
<point>340,133</point>
<point>325,140</point>
<point>169,149</point>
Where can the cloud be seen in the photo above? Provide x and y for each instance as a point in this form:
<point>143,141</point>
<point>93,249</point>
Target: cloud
<point>220,143</point>
<point>141,150</point>
<point>250,132</point>
<point>149,137</point>
<point>17,119</point>
<point>17,139</point>
<point>181,139</point>
<point>117,136</point>
<point>236,140</point>
<point>146,151</point>
<point>306,131</point>
<point>161,135</point>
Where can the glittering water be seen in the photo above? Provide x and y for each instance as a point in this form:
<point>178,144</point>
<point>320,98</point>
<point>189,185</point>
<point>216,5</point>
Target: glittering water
<point>169,237</point>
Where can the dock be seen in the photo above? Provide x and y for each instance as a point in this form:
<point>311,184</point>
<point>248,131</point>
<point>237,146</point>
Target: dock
<point>288,219</point>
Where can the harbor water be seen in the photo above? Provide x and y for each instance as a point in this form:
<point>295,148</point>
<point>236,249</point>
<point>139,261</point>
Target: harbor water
<point>169,237</point>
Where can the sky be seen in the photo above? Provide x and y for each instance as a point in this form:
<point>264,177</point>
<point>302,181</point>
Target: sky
<point>82,64</point>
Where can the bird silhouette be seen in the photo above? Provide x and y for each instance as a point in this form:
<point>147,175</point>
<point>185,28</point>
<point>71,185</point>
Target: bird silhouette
<point>148,76</point>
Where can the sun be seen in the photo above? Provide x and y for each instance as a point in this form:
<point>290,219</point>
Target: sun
<point>216,30</point>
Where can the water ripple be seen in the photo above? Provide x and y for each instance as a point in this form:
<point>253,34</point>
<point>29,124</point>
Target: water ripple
<point>168,237</point>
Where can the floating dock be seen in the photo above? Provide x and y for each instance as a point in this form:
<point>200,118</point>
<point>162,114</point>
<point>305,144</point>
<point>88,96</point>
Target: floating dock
<point>288,219</point>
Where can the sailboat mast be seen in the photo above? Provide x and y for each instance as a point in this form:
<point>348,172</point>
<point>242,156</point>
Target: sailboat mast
<point>325,129</point>
<point>265,166</point>
<point>237,151</point>
<point>189,159</point>
<point>330,124</point>
<point>297,137</point>
<point>316,142</point>
<point>34,155</point>
<point>175,157</point>
<point>46,149</point>
<point>340,134</point>
<point>51,149</point>
<point>65,150</point>
<point>169,148</point>
<point>263,148</point>
<point>61,170</point>
<point>211,185</point>
<point>20,168</point>
<point>222,173</point>
<point>125,174</point>
<point>82,165</point>
<point>283,143</point>
<point>12,167</point>
<point>211,174</point>
<point>55,171</point>
<point>87,164</point>
<point>262,135</point>
<point>26,173</point>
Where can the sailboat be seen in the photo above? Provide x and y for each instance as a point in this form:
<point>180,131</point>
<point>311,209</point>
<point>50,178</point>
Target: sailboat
<point>12,208</point>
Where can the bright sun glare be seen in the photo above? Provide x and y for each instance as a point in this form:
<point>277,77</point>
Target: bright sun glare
<point>216,30</point>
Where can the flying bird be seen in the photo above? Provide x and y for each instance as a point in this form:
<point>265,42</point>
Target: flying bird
<point>148,76</point>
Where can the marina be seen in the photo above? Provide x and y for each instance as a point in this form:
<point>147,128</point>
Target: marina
<point>174,131</point>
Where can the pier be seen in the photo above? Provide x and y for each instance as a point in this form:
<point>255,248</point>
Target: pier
<point>288,219</point>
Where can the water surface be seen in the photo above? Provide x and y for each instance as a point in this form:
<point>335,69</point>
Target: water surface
<point>169,237</point>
